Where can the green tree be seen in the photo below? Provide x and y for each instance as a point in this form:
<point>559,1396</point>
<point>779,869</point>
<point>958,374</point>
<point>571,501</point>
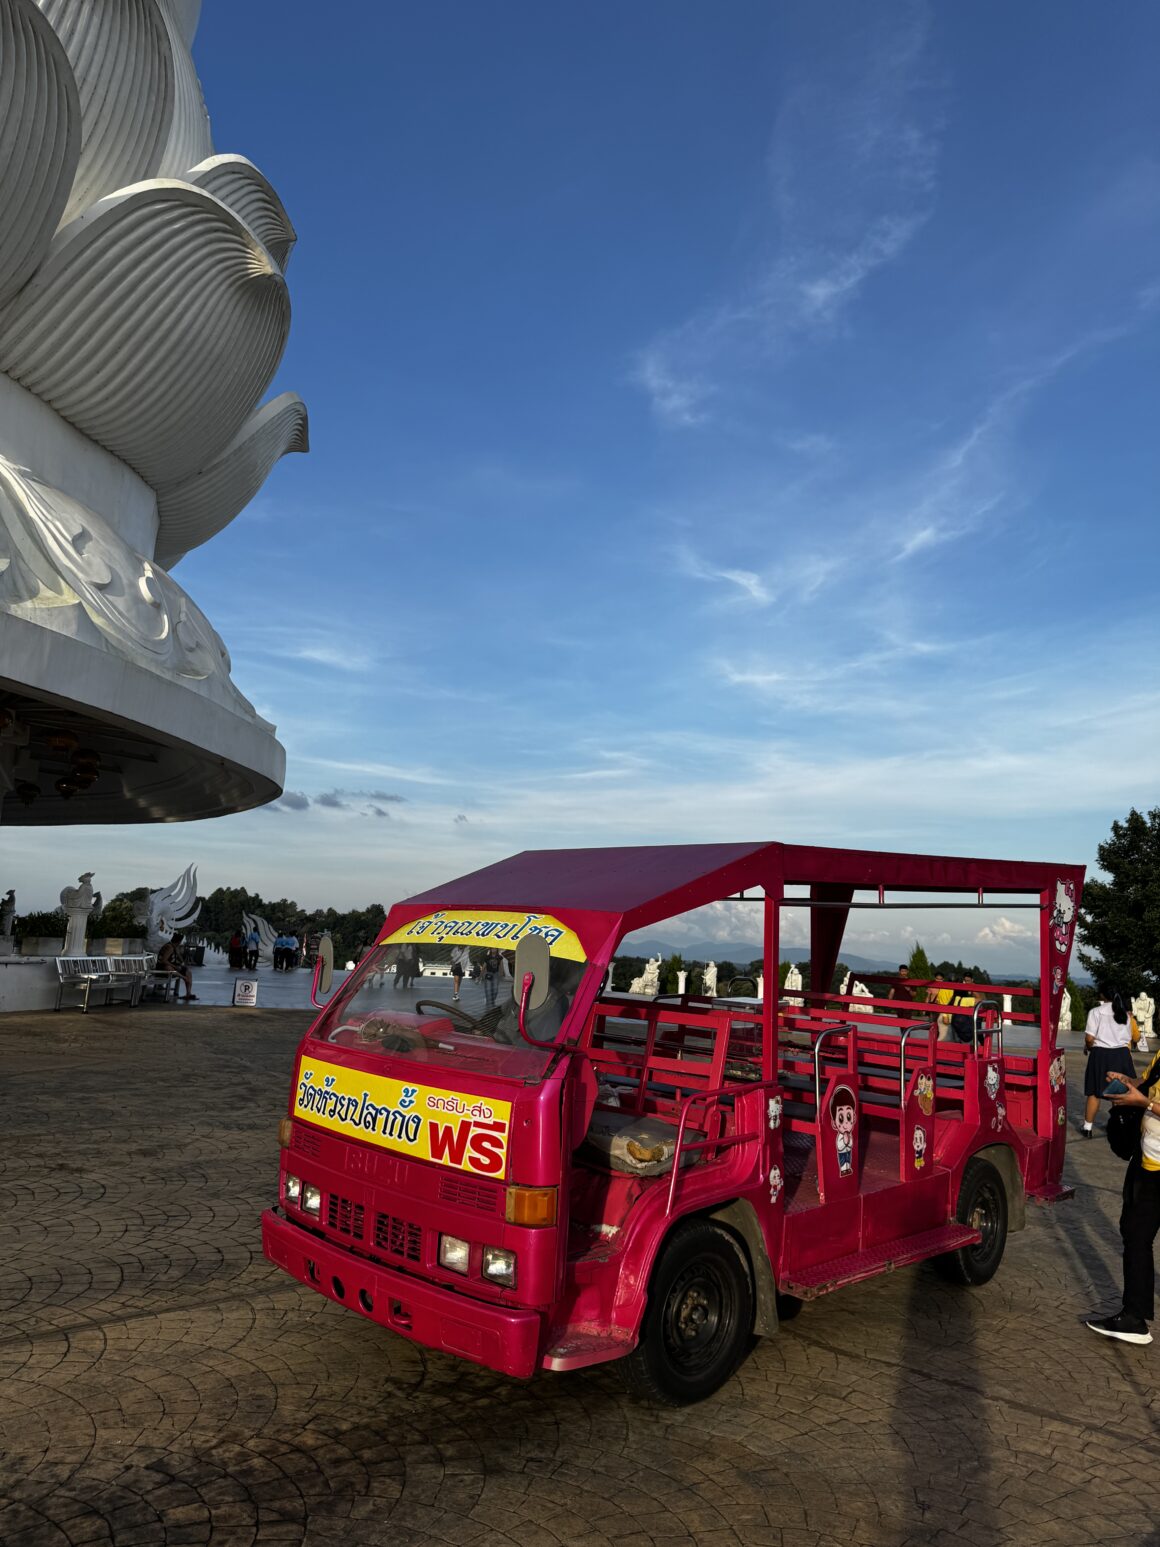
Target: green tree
<point>1120,918</point>
<point>920,964</point>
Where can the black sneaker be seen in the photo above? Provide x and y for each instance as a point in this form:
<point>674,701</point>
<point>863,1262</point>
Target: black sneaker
<point>1086,1133</point>
<point>1125,1327</point>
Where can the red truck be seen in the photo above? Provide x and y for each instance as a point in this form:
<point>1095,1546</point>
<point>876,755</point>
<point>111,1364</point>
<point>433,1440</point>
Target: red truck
<point>536,1173</point>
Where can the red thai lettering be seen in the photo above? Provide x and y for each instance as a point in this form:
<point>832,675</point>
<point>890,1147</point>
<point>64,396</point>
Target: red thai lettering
<point>487,1148</point>
<point>448,1143</point>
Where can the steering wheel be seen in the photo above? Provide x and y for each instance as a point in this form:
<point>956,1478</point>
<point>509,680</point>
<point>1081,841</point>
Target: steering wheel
<point>479,1028</point>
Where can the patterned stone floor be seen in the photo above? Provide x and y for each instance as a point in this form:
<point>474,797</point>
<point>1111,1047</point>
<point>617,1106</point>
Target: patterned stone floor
<point>160,1384</point>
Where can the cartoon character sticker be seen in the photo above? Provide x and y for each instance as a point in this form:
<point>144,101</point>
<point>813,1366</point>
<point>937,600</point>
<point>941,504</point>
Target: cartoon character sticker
<point>1057,1073</point>
<point>1061,1117</point>
<point>1000,1116</point>
<point>775,1183</point>
<point>992,1080</point>
<point>774,1112</point>
<point>918,1139</point>
<point>924,1090</point>
<point>843,1117</point>
<point>1063,915</point>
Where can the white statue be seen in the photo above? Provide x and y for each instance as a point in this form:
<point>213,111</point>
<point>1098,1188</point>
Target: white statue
<point>143,311</point>
<point>7,919</point>
<point>169,909</point>
<point>1065,1011</point>
<point>845,988</point>
<point>682,979</point>
<point>709,981</point>
<point>78,902</point>
<point>761,986</point>
<point>860,991</point>
<point>793,983</point>
<point>1144,1009</point>
<point>649,980</point>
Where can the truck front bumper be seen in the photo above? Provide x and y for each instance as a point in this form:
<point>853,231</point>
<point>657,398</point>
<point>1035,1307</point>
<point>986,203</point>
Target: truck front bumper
<point>492,1335</point>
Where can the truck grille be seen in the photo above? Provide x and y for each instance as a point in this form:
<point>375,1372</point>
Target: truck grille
<point>466,1194</point>
<point>344,1216</point>
<point>399,1237</point>
<point>305,1142</point>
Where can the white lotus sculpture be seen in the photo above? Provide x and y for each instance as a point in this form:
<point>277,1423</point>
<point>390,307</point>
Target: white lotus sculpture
<point>143,312</point>
<point>170,909</point>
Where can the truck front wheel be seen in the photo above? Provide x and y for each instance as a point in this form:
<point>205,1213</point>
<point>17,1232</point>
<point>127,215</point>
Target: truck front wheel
<point>699,1317</point>
<point>983,1205</point>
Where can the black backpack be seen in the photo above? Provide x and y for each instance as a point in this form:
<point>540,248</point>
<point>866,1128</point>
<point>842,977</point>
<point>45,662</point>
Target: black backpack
<point>962,1026</point>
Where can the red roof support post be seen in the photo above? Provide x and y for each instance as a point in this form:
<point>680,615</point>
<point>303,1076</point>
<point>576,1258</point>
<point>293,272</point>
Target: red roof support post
<point>827,925</point>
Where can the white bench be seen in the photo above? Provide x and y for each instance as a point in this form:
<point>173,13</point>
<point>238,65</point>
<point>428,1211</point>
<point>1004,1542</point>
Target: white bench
<point>82,972</point>
<point>135,973</point>
<point>156,979</point>
<point>131,972</point>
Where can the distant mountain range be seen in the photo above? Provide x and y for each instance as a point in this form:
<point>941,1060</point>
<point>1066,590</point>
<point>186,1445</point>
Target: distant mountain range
<point>740,953</point>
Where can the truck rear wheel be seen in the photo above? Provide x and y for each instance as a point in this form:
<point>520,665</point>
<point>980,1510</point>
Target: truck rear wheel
<point>699,1317</point>
<point>983,1205</point>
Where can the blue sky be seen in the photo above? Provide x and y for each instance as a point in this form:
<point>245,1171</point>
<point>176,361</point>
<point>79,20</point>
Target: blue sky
<point>727,422</point>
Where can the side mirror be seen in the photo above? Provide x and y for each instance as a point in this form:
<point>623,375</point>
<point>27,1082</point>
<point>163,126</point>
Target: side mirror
<point>323,971</point>
<point>531,981</point>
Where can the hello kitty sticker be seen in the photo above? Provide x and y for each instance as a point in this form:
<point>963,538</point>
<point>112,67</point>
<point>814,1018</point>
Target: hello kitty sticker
<point>1063,915</point>
<point>774,1111</point>
<point>775,1183</point>
<point>992,1080</point>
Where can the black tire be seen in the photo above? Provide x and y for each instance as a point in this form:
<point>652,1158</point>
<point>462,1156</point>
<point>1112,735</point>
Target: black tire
<point>698,1320</point>
<point>983,1204</point>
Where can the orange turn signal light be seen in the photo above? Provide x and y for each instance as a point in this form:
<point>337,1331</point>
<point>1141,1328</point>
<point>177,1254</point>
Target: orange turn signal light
<point>530,1206</point>
<point>286,1132</point>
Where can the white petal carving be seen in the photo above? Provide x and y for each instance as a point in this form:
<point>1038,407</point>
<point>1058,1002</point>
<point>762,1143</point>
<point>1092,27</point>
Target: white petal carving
<point>121,54</point>
<point>238,183</point>
<point>153,326</point>
<point>40,139</point>
<point>190,140</point>
<point>63,558</point>
<point>192,512</point>
<point>184,14</point>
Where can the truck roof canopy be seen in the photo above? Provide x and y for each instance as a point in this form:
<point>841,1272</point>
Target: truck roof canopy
<point>651,882</point>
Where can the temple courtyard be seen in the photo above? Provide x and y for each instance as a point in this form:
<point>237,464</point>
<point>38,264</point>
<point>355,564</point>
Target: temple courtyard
<point>160,1383</point>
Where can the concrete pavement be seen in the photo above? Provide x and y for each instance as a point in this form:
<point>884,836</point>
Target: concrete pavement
<point>161,1384</point>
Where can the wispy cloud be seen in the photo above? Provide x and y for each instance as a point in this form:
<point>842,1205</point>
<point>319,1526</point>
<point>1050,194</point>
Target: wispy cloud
<point>853,170</point>
<point>748,585</point>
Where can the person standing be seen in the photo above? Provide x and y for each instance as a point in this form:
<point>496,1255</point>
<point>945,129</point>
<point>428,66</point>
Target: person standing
<point>253,943</point>
<point>1140,1215</point>
<point>1107,1041</point>
<point>460,966</point>
<point>492,966</point>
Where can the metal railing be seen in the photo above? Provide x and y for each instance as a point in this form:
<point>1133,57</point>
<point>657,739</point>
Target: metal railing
<point>987,1004</point>
<point>721,1141</point>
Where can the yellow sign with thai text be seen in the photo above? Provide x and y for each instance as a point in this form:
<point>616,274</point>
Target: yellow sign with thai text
<point>421,1121</point>
<point>487,927</point>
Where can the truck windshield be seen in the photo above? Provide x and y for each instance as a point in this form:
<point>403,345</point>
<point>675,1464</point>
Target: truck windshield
<point>451,1005</point>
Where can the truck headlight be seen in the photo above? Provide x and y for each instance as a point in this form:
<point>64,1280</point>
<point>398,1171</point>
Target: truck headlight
<point>311,1199</point>
<point>499,1266</point>
<point>292,1187</point>
<point>454,1253</point>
